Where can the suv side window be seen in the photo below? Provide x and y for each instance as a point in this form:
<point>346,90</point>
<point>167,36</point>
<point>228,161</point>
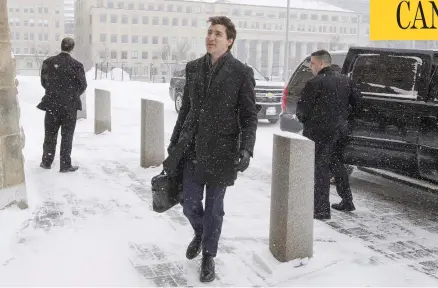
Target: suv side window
<point>387,76</point>
<point>297,82</point>
<point>303,74</point>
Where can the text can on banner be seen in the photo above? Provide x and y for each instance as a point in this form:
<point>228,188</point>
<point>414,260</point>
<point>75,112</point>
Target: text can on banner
<point>403,20</point>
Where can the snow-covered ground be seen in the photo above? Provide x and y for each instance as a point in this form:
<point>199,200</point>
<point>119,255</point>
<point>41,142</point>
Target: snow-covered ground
<point>96,227</point>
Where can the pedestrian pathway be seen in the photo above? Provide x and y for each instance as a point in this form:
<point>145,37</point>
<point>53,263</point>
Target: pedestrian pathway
<point>107,210</point>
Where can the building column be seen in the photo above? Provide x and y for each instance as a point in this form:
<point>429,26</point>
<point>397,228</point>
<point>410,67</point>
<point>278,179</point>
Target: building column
<point>259,55</point>
<point>303,51</point>
<point>293,50</point>
<point>314,46</point>
<point>246,51</point>
<point>12,178</point>
<point>281,58</point>
<point>270,58</point>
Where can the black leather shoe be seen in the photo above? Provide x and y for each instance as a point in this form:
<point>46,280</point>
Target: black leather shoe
<point>207,269</point>
<point>45,166</point>
<point>344,206</point>
<point>69,169</point>
<point>194,248</point>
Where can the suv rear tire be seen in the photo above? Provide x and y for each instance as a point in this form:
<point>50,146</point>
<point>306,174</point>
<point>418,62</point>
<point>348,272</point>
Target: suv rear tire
<point>273,121</point>
<point>178,101</point>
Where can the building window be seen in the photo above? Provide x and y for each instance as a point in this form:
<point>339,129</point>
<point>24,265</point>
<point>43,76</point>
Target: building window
<point>114,55</point>
<point>134,20</point>
<point>124,55</point>
<point>144,39</point>
<point>102,18</point>
<point>165,40</point>
<point>185,22</point>
<point>134,39</point>
<point>110,4</point>
<point>57,37</point>
<point>102,55</point>
<point>144,55</point>
<point>193,41</point>
<point>175,22</point>
<point>124,19</point>
<point>194,23</point>
<point>141,6</point>
<point>145,20</point>
<point>124,39</point>
<point>113,38</point>
<point>99,3</point>
<point>155,40</point>
<point>134,55</point>
<point>103,38</point>
<point>120,5</point>
<point>26,23</point>
<point>155,21</point>
<point>165,21</point>
<point>131,6</point>
<point>113,18</point>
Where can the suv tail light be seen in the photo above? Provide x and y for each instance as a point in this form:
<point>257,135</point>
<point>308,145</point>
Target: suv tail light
<point>284,99</point>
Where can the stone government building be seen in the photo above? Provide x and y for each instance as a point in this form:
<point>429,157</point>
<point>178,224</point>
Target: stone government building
<point>145,35</point>
<point>147,38</point>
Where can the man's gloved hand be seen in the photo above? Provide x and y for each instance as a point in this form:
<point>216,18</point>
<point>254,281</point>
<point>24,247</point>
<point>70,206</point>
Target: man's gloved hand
<point>243,164</point>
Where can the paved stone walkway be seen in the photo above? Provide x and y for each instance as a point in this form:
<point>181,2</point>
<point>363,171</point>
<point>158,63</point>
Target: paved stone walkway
<point>403,234</point>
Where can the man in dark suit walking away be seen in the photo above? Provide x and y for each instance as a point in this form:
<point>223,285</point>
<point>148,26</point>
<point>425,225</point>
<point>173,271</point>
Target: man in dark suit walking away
<point>216,130</point>
<point>64,80</point>
<point>327,102</point>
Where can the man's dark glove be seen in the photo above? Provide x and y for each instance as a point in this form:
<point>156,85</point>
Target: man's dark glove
<point>244,160</point>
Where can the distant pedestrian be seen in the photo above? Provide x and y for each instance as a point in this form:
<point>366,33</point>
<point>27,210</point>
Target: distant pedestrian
<point>64,80</point>
<point>215,132</point>
<point>327,102</point>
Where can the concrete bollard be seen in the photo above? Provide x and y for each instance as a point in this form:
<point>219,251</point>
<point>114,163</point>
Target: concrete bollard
<point>82,114</point>
<point>152,133</point>
<point>102,111</point>
<point>291,220</point>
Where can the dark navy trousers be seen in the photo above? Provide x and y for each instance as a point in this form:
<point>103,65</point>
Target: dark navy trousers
<point>207,223</point>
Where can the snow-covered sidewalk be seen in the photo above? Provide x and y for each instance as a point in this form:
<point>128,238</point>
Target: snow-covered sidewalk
<point>96,227</point>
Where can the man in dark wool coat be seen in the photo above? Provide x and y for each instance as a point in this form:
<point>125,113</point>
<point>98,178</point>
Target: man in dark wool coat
<point>328,102</point>
<point>64,80</point>
<point>216,126</point>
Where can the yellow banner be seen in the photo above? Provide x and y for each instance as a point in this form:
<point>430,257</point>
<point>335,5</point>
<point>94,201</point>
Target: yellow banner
<point>403,20</point>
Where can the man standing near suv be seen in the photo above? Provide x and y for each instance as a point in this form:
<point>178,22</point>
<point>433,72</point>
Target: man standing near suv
<point>215,132</point>
<point>327,102</point>
<point>64,80</point>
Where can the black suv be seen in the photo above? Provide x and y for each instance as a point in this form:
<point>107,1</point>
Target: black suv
<point>268,94</point>
<point>397,129</point>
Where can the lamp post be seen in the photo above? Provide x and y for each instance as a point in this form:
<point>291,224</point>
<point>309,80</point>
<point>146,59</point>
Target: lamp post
<point>286,45</point>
